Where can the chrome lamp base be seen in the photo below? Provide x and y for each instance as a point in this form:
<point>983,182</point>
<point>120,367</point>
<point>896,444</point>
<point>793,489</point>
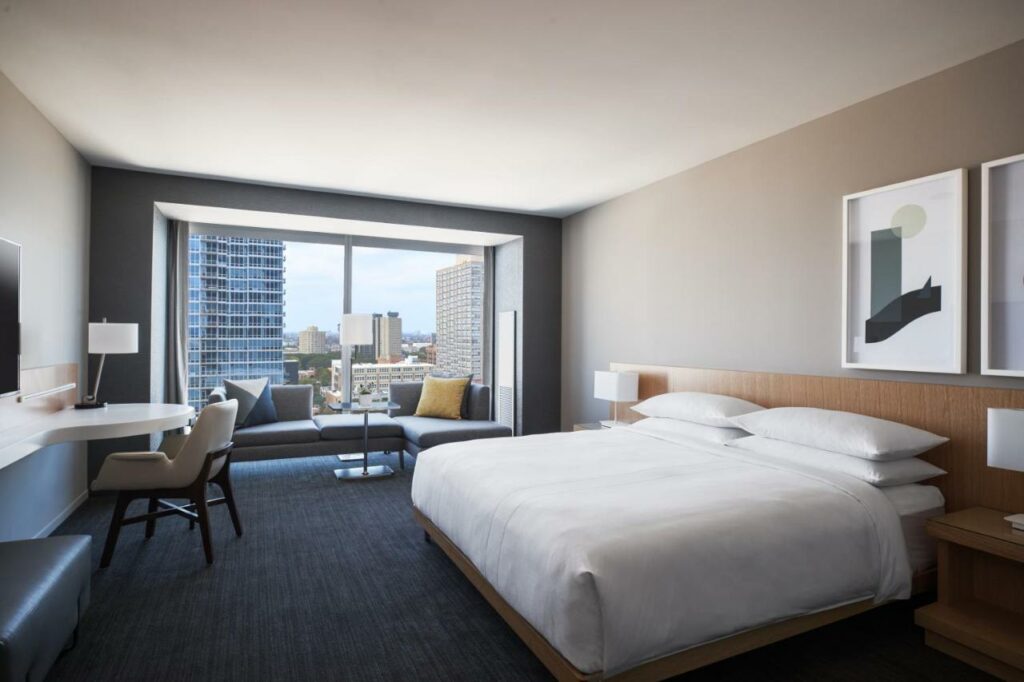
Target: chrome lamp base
<point>363,473</point>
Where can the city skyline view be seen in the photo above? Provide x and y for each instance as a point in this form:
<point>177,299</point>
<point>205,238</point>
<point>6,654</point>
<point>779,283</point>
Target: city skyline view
<point>382,280</point>
<point>241,288</point>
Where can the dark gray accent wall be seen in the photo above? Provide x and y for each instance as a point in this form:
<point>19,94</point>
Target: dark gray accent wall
<point>121,275</point>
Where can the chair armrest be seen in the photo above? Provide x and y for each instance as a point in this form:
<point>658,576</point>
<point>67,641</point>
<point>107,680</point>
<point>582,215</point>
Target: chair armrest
<point>137,456</point>
<point>135,471</point>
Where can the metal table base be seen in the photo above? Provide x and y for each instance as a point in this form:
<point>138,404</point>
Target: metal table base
<point>367,471</point>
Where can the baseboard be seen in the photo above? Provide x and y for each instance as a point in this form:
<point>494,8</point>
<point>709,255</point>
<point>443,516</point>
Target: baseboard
<point>68,511</point>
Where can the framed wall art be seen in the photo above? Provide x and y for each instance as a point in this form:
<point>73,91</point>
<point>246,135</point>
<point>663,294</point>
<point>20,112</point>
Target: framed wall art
<point>1002,267</point>
<point>904,276</point>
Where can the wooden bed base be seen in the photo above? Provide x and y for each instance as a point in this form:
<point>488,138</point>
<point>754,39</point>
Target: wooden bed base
<point>661,668</point>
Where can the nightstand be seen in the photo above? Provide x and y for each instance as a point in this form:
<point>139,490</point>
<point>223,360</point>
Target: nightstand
<point>979,617</point>
<point>591,426</point>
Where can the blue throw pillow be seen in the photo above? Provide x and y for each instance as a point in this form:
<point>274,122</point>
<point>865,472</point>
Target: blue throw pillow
<point>254,403</point>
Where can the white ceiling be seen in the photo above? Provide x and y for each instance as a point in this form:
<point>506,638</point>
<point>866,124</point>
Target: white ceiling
<point>544,106</point>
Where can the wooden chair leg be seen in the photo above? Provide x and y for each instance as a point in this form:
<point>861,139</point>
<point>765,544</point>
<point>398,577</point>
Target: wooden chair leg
<point>120,507</point>
<point>229,500</point>
<point>203,512</point>
<point>151,523</point>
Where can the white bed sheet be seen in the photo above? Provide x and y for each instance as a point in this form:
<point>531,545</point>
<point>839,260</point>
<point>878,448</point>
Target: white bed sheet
<point>621,547</point>
<point>915,504</point>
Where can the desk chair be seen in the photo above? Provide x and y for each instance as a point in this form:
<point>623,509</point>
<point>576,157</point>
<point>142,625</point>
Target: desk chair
<point>182,469</point>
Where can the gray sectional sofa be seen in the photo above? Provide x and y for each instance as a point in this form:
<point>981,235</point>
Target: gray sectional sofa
<point>425,432</point>
<point>298,433</point>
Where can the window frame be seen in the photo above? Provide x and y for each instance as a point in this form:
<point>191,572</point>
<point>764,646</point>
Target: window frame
<point>349,242</point>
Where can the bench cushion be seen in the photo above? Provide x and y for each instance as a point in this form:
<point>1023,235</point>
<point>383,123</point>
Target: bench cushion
<point>350,426</point>
<point>427,432</point>
<point>278,433</point>
<point>44,588</point>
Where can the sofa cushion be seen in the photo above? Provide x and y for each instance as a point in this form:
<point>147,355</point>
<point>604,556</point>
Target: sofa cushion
<point>254,403</point>
<point>278,433</point>
<point>44,589</point>
<point>427,432</point>
<point>465,394</point>
<point>350,426</point>
<point>407,395</point>
<point>442,397</point>
<point>292,401</point>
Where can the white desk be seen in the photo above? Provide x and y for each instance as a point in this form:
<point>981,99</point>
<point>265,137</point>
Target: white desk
<point>113,421</point>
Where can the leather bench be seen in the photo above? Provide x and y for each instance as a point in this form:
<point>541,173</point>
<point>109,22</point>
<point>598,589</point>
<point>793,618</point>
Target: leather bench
<point>44,589</point>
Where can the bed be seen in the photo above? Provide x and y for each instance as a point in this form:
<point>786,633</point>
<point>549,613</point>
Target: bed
<point>620,554</point>
<point>954,411</point>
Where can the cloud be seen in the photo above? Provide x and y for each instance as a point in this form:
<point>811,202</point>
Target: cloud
<point>382,280</point>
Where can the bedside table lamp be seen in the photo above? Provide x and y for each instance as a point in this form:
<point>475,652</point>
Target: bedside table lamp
<point>617,387</point>
<point>1006,446</point>
<point>108,337</point>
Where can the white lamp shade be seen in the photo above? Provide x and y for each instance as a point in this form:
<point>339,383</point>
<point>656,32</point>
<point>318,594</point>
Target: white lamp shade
<point>113,337</point>
<point>356,330</point>
<point>617,386</point>
<point>1006,438</point>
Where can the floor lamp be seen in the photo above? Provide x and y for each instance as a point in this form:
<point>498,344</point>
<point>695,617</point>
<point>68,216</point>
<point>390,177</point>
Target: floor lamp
<point>356,330</point>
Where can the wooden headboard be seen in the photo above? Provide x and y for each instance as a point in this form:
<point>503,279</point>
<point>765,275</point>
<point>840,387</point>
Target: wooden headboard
<point>958,412</point>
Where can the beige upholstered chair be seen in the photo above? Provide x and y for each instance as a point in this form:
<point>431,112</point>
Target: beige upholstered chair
<point>182,468</point>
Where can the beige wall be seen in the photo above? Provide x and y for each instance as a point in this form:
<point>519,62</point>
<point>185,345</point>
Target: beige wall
<point>44,206</point>
<point>736,264</point>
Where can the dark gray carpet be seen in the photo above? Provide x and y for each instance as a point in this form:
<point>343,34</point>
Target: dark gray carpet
<point>333,581</point>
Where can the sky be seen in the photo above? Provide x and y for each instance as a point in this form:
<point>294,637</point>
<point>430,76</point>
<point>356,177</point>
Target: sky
<point>382,280</point>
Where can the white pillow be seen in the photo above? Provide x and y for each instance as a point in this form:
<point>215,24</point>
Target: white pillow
<point>844,432</point>
<point>700,408</point>
<point>672,428</point>
<point>879,474</point>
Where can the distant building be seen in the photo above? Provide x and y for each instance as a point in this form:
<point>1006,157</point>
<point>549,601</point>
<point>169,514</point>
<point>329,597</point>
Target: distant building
<point>235,312</point>
<point>291,371</point>
<point>460,318</point>
<point>378,376</point>
<point>312,340</point>
<point>387,338</point>
<point>430,351</point>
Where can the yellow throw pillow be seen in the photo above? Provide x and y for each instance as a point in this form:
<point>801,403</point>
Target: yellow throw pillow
<point>442,397</point>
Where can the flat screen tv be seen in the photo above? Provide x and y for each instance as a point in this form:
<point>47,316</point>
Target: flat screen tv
<point>10,317</point>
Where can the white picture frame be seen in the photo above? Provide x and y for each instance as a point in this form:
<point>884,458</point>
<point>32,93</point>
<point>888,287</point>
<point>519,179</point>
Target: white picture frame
<point>905,276</point>
<point>1002,267</point>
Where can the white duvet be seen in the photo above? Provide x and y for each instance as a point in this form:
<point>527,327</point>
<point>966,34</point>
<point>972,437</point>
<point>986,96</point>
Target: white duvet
<point>620,547</point>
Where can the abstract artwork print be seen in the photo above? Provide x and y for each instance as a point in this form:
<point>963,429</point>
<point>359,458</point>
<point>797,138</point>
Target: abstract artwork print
<point>904,276</point>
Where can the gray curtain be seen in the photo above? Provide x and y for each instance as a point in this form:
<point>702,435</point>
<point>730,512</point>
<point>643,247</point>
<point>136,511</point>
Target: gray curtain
<point>176,370</point>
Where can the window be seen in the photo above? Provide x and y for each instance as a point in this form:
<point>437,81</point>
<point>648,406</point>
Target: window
<point>250,316</point>
<point>428,311</point>
<point>236,312</point>
<point>314,295</point>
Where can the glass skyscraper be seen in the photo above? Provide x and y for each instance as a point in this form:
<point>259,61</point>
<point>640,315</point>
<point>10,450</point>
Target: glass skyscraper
<point>235,312</point>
